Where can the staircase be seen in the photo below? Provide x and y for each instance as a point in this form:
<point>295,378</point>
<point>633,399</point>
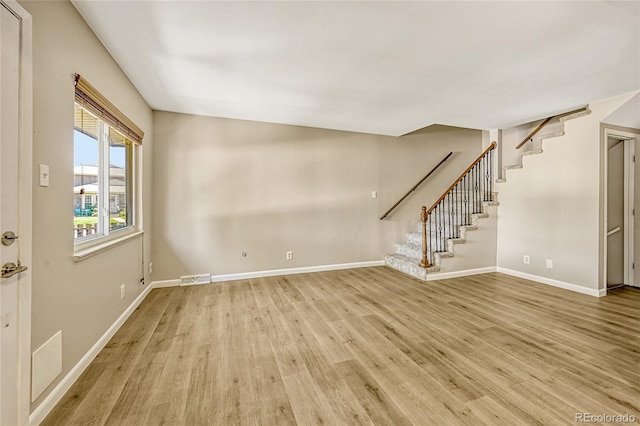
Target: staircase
<point>533,145</point>
<point>448,220</point>
<point>463,205</point>
<point>408,255</point>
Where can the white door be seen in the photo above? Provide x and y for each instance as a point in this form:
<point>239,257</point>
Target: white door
<point>9,216</point>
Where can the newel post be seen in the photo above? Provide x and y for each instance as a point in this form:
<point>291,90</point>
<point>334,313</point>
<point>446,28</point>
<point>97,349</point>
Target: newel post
<point>424,263</point>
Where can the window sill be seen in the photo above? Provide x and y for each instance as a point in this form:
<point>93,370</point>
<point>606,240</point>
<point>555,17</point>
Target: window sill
<point>82,254</point>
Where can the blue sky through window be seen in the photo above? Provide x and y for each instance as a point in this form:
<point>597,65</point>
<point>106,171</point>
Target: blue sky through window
<point>86,151</point>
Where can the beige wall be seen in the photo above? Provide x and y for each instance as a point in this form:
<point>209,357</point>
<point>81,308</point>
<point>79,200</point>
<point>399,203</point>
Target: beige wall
<point>81,299</point>
<point>627,115</point>
<point>513,136</point>
<point>552,209</point>
<point>223,187</point>
<point>402,162</point>
<point>419,152</point>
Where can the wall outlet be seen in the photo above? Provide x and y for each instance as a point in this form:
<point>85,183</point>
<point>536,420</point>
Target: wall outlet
<point>44,175</point>
<point>289,255</point>
<point>122,291</point>
<point>150,268</point>
<point>525,259</point>
<point>549,263</point>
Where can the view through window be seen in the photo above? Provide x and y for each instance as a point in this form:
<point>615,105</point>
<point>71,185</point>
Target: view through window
<point>102,177</point>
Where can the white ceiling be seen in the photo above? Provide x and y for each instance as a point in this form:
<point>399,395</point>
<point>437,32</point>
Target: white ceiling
<point>385,67</point>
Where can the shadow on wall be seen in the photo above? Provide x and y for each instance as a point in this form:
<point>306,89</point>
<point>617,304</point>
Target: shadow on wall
<point>215,243</point>
<point>628,115</point>
<point>406,160</point>
<point>223,187</point>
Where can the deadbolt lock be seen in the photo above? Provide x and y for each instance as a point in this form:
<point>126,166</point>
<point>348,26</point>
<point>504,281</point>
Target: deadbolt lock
<point>8,238</point>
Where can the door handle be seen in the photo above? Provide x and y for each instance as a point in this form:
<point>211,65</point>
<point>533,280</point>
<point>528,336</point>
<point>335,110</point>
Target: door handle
<point>9,269</point>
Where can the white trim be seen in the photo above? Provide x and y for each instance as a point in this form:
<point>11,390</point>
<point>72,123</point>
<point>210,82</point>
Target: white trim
<point>165,283</point>
<point>104,245</point>
<point>65,384</point>
<point>291,271</point>
<point>457,274</point>
<point>629,207</point>
<point>555,283</point>
<point>273,273</point>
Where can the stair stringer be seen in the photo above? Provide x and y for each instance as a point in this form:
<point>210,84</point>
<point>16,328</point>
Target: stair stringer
<point>468,251</point>
<point>538,140</point>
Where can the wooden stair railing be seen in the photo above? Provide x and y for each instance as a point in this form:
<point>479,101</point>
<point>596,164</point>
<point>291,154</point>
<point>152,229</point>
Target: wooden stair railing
<point>416,186</point>
<point>456,205</point>
<point>545,122</point>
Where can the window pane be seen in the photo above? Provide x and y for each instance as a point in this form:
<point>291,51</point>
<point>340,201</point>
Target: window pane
<point>85,170</point>
<point>103,179</point>
<point>119,187</point>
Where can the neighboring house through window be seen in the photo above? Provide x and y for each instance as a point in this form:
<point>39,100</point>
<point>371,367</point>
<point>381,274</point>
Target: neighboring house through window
<point>104,150</point>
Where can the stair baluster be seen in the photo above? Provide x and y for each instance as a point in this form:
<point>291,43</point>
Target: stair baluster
<point>456,206</point>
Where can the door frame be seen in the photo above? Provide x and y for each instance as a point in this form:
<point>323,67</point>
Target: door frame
<point>630,140</point>
<point>25,202</point>
<point>629,207</point>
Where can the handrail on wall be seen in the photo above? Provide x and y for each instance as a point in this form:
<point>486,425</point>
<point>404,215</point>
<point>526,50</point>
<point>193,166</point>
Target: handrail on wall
<point>415,186</point>
<point>545,122</point>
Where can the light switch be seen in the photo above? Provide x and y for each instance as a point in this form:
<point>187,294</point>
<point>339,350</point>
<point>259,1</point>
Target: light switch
<point>374,194</point>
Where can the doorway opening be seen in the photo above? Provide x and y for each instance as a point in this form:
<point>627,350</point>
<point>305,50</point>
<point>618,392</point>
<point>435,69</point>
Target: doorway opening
<point>620,211</point>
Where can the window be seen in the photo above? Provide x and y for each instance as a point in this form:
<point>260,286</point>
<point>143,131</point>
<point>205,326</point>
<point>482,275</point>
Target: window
<point>104,150</point>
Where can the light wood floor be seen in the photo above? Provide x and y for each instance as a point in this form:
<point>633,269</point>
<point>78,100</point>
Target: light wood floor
<point>365,346</point>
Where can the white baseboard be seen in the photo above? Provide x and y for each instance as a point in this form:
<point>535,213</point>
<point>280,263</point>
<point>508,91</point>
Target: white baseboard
<point>291,271</point>
<point>42,410</point>
<point>555,283</point>
<point>457,274</point>
<point>165,283</point>
<point>275,272</point>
